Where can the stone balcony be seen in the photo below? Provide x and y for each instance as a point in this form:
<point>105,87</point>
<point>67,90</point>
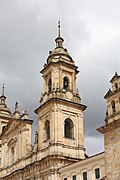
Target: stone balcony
<point>60,94</point>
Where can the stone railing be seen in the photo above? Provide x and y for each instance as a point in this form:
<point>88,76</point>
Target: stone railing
<point>60,94</point>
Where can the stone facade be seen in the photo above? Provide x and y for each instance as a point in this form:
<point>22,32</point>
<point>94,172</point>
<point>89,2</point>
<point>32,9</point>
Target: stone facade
<point>87,166</point>
<point>58,152</point>
<point>112,152</point>
<point>111,130</point>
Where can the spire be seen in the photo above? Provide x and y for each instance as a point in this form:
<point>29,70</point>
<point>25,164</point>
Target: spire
<point>58,28</point>
<point>2,98</point>
<point>3,90</point>
<point>59,40</point>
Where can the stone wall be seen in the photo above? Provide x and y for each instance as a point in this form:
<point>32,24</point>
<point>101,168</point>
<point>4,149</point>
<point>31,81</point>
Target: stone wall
<point>112,153</point>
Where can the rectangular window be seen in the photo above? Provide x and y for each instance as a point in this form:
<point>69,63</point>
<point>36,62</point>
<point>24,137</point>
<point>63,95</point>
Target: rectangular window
<point>84,175</point>
<point>74,177</point>
<point>97,173</point>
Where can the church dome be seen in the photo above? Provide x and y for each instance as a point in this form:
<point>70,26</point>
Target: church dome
<point>4,110</point>
<point>59,50</point>
<point>59,53</point>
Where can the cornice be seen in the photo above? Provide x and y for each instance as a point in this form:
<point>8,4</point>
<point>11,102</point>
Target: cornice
<point>39,166</point>
<point>81,106</point>
<point>63,146</point>
<point>109,126</point>
<point>59,62</point>
<point>111,93</point>
<point>116,76</point>
<point>97,157</point>
<point>113,115</point>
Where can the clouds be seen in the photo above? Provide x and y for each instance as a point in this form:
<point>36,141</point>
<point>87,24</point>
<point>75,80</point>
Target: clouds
<point>95,144</point>
<point>91,30</point>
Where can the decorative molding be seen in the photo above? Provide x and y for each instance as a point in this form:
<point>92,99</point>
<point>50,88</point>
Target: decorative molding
<point>109,126</point>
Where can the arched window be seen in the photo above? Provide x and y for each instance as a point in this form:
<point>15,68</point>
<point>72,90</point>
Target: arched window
<point>49,85</point>
<point>68,128</point>
<point>116,86</point>
<point>65,82</point>
<point>47,129</point>
<point>12,153</point>
<point>113,106</point>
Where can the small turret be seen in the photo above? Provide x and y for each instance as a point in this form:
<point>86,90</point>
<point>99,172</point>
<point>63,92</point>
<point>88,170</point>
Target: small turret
<point>2,98</point>
<point>4,110</point>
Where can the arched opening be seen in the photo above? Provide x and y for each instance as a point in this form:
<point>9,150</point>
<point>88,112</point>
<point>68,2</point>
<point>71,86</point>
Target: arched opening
<point>49,85</point>
<point>47,129</point>
<point>12,153</point>
<point>113,106</point>
<point>68,128</point>
<point>116,86</point>
<point>65,82</point>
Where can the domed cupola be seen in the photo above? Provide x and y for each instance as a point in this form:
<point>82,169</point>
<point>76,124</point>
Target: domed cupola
<point>4,110</point>
<point>59,53</point>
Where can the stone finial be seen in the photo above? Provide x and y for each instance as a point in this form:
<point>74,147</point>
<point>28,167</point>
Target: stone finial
<point>57,87</point>
<point>25,111</point>
<point>16,113</point>
<point>77,92</point>
<point>16,106</point>
<point>36,137</point>
<point>25,114</point>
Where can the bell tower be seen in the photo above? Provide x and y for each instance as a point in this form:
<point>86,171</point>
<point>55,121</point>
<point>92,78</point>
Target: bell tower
<point>111,130</point>
<point>60,114</point>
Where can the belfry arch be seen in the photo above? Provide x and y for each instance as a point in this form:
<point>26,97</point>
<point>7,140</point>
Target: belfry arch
<point>68,128</point>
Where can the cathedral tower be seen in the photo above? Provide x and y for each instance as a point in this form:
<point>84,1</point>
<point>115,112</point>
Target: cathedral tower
<point>111,130</point>
<point>60,114</point>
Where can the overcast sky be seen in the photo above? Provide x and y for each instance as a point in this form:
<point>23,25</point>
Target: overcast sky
<point>91,30</point>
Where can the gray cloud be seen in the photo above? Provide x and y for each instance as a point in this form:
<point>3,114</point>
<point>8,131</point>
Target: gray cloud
<point>91,32</point>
